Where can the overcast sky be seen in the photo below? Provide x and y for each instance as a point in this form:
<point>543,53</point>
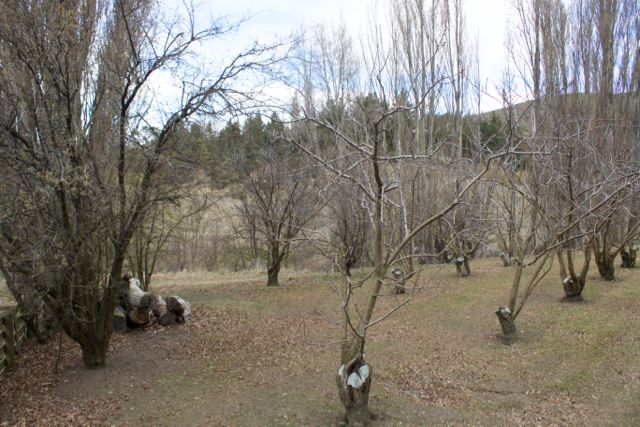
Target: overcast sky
<point>486,22</point>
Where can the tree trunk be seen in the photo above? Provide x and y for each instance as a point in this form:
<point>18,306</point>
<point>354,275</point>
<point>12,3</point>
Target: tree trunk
<point>179,307</point>
<point>462,266</point>
<point>272,274</point>
<point>507,323</point>
<point>628,257</point>
<point>354,386</point>
<point>440,247</point>
<point>350,262</point>
<point>573,287</point>
<point>506,262</point>
<point>466,267</point>
<point>37,328</point>
<point>399,287</point>
<point>605,264</point>
<point>94,352</point>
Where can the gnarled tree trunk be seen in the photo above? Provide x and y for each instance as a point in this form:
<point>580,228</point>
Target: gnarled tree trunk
<point>628,257</point>
<point>506,261</point>
<point>354,386</point>
<point>573,287</point>
<point>272,274</point>
<point>94,352</point>
<point>605,263</point>
<point>507,322</point>
<point>573,281</point>
<point>462,266</point>
<point>400,282</point>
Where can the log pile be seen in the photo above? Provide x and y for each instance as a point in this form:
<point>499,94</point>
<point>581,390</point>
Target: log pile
<point>138,309</point>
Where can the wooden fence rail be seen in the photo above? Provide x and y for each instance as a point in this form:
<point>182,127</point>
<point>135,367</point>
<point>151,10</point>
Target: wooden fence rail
<point>13,332</point>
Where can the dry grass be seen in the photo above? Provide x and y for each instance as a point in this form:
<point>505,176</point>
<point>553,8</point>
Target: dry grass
<point>259,356</point>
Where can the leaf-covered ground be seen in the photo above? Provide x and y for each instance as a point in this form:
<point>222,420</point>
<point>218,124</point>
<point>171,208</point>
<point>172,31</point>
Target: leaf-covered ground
<point>258,356</point>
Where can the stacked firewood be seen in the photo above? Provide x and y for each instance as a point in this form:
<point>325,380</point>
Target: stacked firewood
<point>136,308</point>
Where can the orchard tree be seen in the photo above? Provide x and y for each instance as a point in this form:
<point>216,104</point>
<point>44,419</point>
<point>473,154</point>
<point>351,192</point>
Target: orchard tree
<point>568,188</point>
<point>363,146</point>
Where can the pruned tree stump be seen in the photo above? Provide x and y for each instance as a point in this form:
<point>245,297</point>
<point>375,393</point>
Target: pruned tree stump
<point>572,294</point>
<point>399,287</point>
<point>507,323</point>
<point>462,266</point>
<point>354,388</point>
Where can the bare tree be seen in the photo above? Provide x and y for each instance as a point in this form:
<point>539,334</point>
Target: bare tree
<point>365,149</point>
<point>280,199</point>
<point>84,164</point>
<point>147,244</point>
<point>177,224</point>
<point>568,189</point>
<point>349,225</point>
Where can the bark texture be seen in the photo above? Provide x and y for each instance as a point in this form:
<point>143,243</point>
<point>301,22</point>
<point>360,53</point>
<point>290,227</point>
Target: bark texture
<point>462,266</point>
<point>273,272</point>
<point>138,309</point>
<point>119,322</point>
<point>573,287</point>
<point>605,263</point>
<point>628,258</point>
<point>506,262</point>
<point>507,323</point>
<point>400,282</point>
<point>354,386</point>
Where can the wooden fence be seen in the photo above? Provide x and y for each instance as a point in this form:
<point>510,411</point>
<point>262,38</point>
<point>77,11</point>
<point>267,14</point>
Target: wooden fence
<point>13,332</point>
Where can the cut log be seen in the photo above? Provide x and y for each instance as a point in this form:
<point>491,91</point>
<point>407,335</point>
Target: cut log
<point>179,307</point>
<point>138,317</point>
<point>142,309</point>
<point>167,319</point>
<point>135,293</point>
<point>162,313</point>
<point>153,302</point>
<point>150,301</point>
<point>119,322</point>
